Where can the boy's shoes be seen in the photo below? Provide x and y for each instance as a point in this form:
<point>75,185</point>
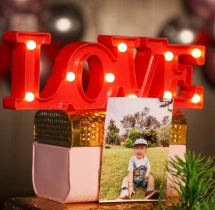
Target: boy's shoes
<point>126,197</point>
<point>152,194</point>
<point>123,194</point>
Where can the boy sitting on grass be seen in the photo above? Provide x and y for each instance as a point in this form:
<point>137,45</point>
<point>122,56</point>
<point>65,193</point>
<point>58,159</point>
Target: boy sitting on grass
<point>139,173</point>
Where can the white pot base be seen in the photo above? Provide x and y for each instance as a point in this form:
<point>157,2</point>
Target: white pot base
<point>66,175</point>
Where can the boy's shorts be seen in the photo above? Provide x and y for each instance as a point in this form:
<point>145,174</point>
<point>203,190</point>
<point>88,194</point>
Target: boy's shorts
<point>140,184</point>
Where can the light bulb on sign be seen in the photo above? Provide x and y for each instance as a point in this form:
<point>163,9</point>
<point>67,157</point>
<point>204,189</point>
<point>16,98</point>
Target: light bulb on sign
<point>167,94</point>
<point>110,77</point>
<point>31,45</point>
<point>196,53</point>
<point>196,99</point>
<point>168,56</point>
<point>29,96</point>
<point>132,96</point>
<point>70,76</point>
<point>122,47</point>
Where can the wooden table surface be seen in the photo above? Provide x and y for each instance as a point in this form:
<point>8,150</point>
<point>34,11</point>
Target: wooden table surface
<point>35,203</point>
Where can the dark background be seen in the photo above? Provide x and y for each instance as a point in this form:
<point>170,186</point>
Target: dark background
<point>118,17</point>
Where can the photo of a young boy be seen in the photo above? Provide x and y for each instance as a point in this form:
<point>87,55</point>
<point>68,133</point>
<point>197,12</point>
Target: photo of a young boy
<point>139,173</point>
<point>136,148</point>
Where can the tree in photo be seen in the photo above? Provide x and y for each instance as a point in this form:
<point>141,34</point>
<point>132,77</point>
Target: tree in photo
<point>133,135</point>
<point>112,136</point>
<point>135,121</point>
<point>151,122</point>
<point>166,102</point>
<point>140,118</point>
<point>165,120</point>
<point>129,143</point>
<point>151,136</point>
<point>164,135</point>
<point>128,122</point>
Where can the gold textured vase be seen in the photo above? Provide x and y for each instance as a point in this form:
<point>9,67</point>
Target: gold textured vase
<point>69,129</point>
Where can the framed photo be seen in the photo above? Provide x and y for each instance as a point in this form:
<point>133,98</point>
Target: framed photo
<point>135,151</point>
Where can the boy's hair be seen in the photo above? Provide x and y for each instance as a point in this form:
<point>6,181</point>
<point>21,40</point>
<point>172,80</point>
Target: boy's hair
<point>140,142</point>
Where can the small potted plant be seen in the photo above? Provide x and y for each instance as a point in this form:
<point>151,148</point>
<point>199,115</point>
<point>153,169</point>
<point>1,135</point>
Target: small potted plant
<point>193,180</point>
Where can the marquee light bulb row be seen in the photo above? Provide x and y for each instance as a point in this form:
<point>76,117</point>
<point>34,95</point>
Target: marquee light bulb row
<point>29,97</point>
<point>195,99</point>
<point>196,53</point>
<point>122,47</point>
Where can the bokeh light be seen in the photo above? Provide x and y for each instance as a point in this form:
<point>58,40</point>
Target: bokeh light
<point>63,24</point>
<point>186,36</point>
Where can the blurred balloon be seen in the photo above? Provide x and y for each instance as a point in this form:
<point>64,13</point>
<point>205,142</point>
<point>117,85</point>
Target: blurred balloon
<point>23,22</point>
<point>211,31</point>
<point>33,6</point>
<point>182,30</point>
<point>64,22</point>
<point>209,67</point>
<point>205,9</point>
<point>21,15</point>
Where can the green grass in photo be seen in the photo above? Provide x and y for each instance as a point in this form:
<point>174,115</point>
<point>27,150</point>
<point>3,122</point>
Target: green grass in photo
<point>115,165</point>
